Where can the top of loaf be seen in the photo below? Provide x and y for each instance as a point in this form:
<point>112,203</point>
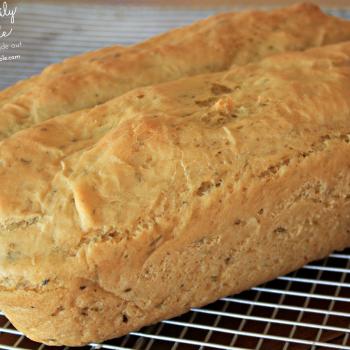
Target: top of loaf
<point>128,176</point>
<point>209,45</point>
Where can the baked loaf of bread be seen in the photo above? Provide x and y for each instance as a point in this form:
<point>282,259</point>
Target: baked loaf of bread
<point>209,45</point>
<point>174,195</point>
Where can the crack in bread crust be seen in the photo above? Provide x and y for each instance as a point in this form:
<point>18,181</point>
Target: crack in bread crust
<point>90,301</point>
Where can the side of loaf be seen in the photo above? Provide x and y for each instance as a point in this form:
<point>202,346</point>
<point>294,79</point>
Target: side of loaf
<point>202,187</point>
<point>210,45</point>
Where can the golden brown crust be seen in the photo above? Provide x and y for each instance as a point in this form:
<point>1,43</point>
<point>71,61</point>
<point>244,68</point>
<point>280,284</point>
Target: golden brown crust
<point>9,94</point>
<point>203,186</point>
<point>209,45</point>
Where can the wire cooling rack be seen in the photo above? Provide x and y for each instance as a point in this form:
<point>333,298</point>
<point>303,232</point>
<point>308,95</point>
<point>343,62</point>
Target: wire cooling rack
<point>307,309</point>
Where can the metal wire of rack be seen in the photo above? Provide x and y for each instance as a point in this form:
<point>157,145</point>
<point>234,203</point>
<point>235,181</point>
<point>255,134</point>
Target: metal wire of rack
<point>307,309</point>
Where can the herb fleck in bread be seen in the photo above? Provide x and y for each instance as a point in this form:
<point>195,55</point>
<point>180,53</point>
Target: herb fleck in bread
<point>210,45</point>
<point>174,195</point>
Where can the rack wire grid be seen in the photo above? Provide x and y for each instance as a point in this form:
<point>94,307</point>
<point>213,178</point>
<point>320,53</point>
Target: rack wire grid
<point>307,309</point>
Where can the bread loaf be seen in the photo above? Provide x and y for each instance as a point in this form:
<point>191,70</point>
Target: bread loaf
<point>174,195</point>
<point>207,46</point>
